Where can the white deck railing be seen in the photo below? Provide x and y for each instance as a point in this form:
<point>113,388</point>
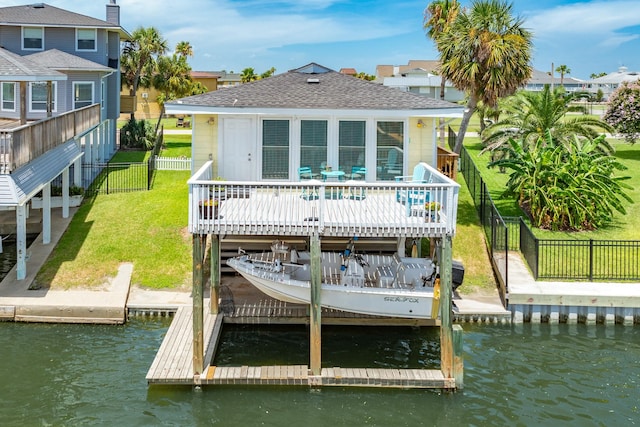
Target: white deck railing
<point>351,208</point>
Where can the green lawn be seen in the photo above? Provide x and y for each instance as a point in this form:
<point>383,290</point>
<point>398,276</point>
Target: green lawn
<point>623,227</point>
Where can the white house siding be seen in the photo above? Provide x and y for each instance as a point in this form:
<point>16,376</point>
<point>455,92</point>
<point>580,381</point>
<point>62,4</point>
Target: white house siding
<point>419,143</point>
<point>204,141</point>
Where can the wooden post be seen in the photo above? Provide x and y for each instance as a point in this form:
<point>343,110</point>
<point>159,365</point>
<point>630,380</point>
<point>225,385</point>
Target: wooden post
<point>215,274</point>
<point>21,242</point>
<point>23,103</point>
<point>46,214</point>
<point>458,360</point>
<point>315,305</point>
<point>49,98</point>
<point>446,330</point>
<point>199,242</point>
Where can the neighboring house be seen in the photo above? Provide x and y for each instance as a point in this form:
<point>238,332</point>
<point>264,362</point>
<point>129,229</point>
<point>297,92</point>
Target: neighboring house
<point>226,79</point>
<point>50,36</point>
<point>312,117</point>
<point>540,79</point>
<point>59,102</point>
<point>147,106</point>
<point>609,83</point>
<point>423,82</point>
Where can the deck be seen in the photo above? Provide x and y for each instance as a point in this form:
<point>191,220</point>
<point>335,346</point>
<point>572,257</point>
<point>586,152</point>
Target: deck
<point>173,364</point>
<point>348,208</point>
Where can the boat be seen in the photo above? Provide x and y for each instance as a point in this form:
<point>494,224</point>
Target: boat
<point>370,284</point>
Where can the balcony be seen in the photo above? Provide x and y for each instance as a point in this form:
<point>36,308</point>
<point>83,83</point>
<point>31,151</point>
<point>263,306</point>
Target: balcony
<point>337,209</point>
<point>25,143</point>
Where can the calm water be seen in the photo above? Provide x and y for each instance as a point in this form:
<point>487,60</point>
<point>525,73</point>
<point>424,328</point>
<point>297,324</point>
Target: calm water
<point>529,375</point>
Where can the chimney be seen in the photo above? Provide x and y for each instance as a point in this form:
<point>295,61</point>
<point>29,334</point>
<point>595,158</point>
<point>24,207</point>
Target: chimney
<point>113,13</point>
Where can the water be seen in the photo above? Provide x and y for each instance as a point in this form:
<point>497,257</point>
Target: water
<point>521,375</point>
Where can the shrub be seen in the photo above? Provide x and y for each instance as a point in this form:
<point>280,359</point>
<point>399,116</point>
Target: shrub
<point>137,135</point>
<point>624,111</point>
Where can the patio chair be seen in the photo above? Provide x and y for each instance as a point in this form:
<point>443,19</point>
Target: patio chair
<point>180,122</point>
<point>358,173</point>
<point>306,174</point>
<point>410,197</point>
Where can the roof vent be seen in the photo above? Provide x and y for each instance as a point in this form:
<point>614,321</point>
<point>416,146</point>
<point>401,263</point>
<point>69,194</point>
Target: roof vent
<point>311,80</point>
<point>38,5</point>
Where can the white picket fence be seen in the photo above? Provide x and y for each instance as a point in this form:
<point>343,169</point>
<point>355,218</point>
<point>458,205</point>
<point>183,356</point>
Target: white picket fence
<point>172,163</point>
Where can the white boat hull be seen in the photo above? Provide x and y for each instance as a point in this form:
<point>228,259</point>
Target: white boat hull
<point>415,303</point>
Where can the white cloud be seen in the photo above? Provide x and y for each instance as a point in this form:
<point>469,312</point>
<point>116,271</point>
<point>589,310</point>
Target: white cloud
<point>598,19</point>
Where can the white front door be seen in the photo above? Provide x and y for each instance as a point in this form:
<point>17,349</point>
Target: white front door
<point>238,160</point>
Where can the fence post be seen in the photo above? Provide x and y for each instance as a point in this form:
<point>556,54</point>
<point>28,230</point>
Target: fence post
<point>108,177</point>
<point>591,260</point>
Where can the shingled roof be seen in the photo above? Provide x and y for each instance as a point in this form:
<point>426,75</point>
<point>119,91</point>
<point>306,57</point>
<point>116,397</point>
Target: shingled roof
<point>44,14</point>
<point>314,87</point>
<point>62,61</point>
<point>15,68</point>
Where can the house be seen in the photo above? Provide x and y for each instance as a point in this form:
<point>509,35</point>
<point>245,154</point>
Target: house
<point>540,79</point>
<point>59,102</point>
<point>423,82</point>
<point>147,106</point>
<point>312,117</point>
<point>609,83</point>
<point>85,49</point>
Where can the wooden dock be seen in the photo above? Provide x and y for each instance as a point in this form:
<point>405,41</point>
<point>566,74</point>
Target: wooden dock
<point>173,364</point>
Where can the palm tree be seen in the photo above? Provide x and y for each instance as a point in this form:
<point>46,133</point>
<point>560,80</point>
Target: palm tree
<point>270,72</point>
<point>530,115</point>
<point>248,75</point>
<point>563,69</point>
<point>487,53</point>
<point>438,19</point>
<point>138,57</point>
<point>184,48</point>
<point>564,186</point>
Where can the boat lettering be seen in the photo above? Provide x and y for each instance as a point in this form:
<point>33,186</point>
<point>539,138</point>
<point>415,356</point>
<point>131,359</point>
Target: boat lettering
<point>401,299</point>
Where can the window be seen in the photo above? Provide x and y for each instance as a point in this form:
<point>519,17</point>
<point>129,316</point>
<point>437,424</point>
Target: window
<point>86,39</point>
<point>389,152</point>
<point>275,149</point>
<point>8,96</point>
<point>38,96</point>
<point>351,144</point>
<point>82,94</point>
<point>313,144</point>
<point>32,38</point>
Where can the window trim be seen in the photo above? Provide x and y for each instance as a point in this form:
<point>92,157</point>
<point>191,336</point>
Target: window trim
<point>95,40</point>
<point>73,93</point>
<point>2,100</point>
<point>54,89</point>
<point>22,38</point>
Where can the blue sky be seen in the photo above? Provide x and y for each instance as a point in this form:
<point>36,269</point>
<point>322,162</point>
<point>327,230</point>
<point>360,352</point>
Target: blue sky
<point>587,36</point>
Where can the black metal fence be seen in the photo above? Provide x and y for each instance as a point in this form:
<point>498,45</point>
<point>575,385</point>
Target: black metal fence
<point>587,260</point>
<point>495,228</point>
<point>107,178</point>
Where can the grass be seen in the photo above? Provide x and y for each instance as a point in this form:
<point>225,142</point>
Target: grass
<point>623,227</point>
<point>147,228</point>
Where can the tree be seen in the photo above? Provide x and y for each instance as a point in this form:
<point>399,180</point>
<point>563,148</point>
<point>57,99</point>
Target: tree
<point>487,53</point>
<point>438,19</point>
<point>623,112</point>
<point>596,75</point>
<point>364,76</point>
<point>270,72</point>
<point>564,186</point>
<point>173,79</point>
<point>562,69</point>
<point>531,115</point>
<point>138,58</point>
<point>248,75</point>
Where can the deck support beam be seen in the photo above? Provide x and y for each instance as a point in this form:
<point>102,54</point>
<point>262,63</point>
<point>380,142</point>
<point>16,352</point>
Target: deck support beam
<point>446,329</point>
<point>46,214</point>
<point>199,243</point>
<point>315,306</point>
<point>21,242</point>
<point>215,274</point>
